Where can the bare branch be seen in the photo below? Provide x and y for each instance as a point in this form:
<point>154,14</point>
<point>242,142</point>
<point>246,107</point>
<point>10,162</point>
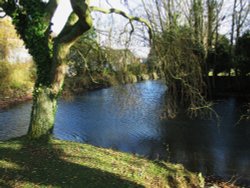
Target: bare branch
<point>79,22</point>
<point>127,42</point>
<point>122,13</point>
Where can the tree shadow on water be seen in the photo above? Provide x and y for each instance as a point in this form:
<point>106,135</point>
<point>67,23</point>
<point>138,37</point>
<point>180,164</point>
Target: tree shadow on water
<point>36,164</point>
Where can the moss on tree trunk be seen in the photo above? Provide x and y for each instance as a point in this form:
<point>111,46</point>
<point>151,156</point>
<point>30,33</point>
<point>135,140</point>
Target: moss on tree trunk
<point>43,113</point>
<point>45,96</point>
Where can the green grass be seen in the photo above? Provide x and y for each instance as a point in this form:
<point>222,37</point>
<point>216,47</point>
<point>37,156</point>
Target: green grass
<point>68,164</point>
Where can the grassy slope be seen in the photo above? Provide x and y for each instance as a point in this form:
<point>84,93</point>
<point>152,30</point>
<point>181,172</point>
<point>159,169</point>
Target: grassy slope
<point>69,164</point>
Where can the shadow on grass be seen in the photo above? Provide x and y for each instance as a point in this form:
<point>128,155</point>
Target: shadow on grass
<point>43,164</point>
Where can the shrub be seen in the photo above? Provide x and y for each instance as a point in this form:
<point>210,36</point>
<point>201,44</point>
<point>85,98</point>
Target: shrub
<point>16,79</point>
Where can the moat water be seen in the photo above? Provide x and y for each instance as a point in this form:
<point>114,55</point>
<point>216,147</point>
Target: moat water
<point>128,118</point>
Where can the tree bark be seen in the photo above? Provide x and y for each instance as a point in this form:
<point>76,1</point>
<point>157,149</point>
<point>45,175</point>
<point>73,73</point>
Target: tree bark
<point>46,94</point>
<point>43,113</point>
<point>45,97</point>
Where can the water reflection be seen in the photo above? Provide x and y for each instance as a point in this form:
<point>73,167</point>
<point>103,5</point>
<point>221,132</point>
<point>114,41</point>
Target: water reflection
<point>14,121</point>
<point>222,151</point>
<point>128,119</point>
<point>119,118</point>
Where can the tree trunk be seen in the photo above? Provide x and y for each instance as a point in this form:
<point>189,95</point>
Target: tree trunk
<point>45,97</point>
<point>43,113</point>
<point>233,28</point>
<point>49,54</point>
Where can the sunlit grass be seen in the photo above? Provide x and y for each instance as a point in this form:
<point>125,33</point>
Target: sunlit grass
<point>69,164</point>
<point>9,165</point>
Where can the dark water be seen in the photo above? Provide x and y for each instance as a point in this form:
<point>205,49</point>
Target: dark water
<point>128,119</point>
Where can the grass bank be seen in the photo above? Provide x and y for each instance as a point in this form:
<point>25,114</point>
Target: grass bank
<point>69,164</point>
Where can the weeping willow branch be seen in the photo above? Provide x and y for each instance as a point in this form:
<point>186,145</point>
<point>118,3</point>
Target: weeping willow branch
<point>245,116</point>
<point>181,61</point>
<point>130,18</point>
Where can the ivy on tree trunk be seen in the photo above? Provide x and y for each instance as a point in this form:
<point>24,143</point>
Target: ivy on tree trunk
<point>32,20</point>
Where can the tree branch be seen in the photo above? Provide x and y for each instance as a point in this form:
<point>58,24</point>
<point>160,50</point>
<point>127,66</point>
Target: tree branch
<point>51,8</point>
<point>79,22</point>
<point>122,13</point>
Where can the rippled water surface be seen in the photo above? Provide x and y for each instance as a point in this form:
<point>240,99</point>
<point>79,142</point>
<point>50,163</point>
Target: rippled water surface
<point>128,119</point>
